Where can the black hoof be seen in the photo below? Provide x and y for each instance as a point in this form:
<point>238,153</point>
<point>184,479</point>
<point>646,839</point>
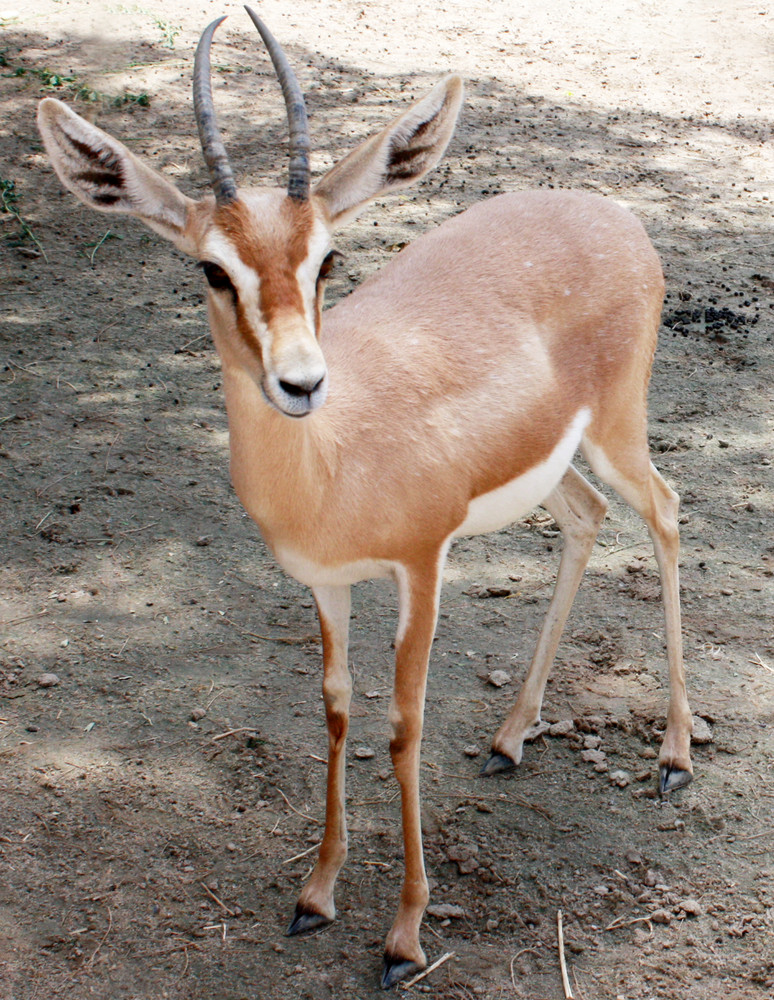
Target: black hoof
<point>305,921</point>
<point>497,764</point>
<point>395,969</point>
<point>672,778</point>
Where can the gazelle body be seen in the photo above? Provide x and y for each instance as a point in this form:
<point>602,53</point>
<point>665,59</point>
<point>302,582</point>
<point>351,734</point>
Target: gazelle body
<point>446,396</point>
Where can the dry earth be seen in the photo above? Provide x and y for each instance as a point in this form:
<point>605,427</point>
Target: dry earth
<point>144,854</point>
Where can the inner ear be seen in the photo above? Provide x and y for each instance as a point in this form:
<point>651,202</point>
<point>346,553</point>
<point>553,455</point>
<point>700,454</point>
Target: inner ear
<point>397,156</point>
<point>105,175</point>
<point>411,154</point>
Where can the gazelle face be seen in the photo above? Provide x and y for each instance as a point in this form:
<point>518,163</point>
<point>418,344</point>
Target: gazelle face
<point>265,257</point>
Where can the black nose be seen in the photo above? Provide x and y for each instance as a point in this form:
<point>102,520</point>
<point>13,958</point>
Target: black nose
<point>300,389</point>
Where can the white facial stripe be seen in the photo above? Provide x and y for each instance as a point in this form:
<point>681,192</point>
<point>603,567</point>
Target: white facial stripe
<point>308,269</point>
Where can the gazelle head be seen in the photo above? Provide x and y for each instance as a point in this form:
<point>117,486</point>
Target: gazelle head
<point>265,253</point>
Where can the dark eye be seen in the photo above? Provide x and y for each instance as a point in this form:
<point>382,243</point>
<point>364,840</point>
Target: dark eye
<point>327,265</point>
<point>217,277</point>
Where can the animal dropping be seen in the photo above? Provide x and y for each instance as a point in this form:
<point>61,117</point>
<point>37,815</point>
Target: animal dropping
<point>446,396</point>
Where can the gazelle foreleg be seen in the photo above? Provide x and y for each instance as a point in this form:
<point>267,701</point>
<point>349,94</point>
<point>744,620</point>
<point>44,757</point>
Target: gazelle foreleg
<point>579,510</point>
<point>315,905</point>
<point>419,590</point>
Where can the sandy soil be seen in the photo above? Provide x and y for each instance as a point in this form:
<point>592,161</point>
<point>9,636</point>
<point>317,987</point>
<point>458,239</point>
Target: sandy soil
<point>145,854</point>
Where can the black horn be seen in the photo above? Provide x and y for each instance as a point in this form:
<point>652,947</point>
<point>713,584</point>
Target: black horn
<point>223,183</point>
<point>298,181</point>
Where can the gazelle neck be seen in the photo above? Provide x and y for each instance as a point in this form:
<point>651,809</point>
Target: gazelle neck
<point>273,455</point>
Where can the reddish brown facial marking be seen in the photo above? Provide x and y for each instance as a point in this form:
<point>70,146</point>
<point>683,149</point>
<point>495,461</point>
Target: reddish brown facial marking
<point>274,255</point>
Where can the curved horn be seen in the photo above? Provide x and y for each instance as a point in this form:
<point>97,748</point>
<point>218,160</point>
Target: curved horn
<point>215,156</point>
<point>298,181</point>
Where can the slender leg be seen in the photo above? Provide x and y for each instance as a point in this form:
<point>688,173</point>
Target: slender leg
<point>633,476</point>
<point>315,905</point>
<point>419,589</point>
<point>579,510</point>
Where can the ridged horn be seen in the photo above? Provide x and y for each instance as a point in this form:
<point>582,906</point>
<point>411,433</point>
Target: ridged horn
<point>215,156</point>
<point>299,178</point>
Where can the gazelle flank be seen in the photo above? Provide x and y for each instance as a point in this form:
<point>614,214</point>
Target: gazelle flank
<point>446,396</point>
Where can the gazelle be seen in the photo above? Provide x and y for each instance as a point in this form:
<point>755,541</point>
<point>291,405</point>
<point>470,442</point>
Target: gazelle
<point>446,396</point>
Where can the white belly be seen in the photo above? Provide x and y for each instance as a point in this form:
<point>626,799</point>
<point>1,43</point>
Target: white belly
<point>317,575</point>
<point>514,499</point>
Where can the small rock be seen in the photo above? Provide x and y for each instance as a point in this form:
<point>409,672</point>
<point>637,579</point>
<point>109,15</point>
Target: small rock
<point>690,907</point>
<point>445,911</point>
<point>364,753</point>
<point>594,756</point>
<point>198,713</point>
<point>644,775</point>
<point>497,592</point>
<point>633,857</point>
<point>465,856</point>
<point>537,730</point>
<point>601,890</point>
<point>563,728</point>
<point>203,541</point>
<point>702,731</point>
<point>48,680</point>
<point>471,751</point>
<point>620,778</point>
<point>590,723</point>
<point>661,917</point>
<point>592,742</point>
<point>498,678</point>
<point>648,753</point>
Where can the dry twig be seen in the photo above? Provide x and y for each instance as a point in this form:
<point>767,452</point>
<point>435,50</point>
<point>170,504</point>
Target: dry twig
<point>303,854</point>
<point>104,939</point>
<point>233,732</point>
<point>220,902</point>
<point>298,812</point>
<point>562,964</point>
<point>428,970</point>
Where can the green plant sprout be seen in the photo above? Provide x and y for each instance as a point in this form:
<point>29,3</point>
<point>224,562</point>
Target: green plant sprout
<point>8,199</point>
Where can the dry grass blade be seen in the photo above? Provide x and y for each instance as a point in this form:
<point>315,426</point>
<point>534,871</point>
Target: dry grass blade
<point>562,964</point>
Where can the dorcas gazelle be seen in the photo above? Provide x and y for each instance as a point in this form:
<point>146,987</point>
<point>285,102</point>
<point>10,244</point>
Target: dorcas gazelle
<point>446,396</point>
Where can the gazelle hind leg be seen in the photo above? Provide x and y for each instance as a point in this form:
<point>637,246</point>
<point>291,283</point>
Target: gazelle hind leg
<point>315,905</point>
<point>579,510</point>
<point>633,476</point>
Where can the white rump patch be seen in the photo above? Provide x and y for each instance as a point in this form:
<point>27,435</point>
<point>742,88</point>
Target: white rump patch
<point>498,508</point>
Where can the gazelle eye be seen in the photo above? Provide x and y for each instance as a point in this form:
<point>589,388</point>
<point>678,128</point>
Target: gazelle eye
<point>327,265</point>
<point>217,277</point>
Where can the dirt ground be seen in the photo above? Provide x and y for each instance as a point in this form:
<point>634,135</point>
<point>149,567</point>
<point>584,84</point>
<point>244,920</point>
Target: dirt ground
<point>160,798</point>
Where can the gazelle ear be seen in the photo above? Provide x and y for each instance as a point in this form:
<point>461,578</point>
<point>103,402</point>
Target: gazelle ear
<point>396,157</point>
<point>105,175</point>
